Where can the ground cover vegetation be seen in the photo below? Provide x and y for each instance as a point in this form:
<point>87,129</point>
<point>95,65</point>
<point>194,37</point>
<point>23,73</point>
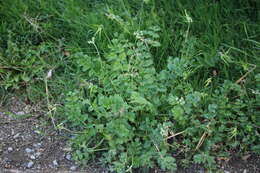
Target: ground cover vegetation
<point>138,83</point>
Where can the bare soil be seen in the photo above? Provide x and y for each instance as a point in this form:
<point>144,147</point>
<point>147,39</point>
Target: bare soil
<point>29,143</point>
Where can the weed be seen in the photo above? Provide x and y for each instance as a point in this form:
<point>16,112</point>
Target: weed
<point>138,81</point>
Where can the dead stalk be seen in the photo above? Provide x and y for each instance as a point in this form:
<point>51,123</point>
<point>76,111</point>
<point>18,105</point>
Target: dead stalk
<point>202,139</point>
<point>161,156</point>
<point>245,75</point>
<point>176,134</point>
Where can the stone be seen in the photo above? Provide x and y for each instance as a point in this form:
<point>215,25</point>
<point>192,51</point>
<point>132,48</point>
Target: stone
<point>28,150</point>
<point>16,136</point>
<point>30,164</point>
<point>32,157</point>
<point>68,156</point>
<point>10,149</point>
<point>55,163</point>
<point>37,145</point>
<point>37,154</point>
<point>73,168</point>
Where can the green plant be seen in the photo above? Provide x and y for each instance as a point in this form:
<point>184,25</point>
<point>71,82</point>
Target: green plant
<point>128,109</point>
<point>133,94</point>
<point>120,106</point>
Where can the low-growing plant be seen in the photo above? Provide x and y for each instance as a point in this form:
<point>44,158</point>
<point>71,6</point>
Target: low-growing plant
<point>132,116</point>
<point>137,96</point>
<point>25,66</point>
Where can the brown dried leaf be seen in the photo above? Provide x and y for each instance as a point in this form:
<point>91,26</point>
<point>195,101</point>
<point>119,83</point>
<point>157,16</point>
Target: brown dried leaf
<point>225,159</point>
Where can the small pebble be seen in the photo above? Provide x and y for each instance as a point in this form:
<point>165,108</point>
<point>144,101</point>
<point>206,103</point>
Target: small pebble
<point>28,150</point>
<point>12,131</point>
<point>55,163</point>
<point>16,136</point>
<point>37,145</point>
<point>37,154</point>
<point>10,149</point>
<point>73,168</point>
<point>30,164</point>
<point>32,157</point>
<point>68,156</point>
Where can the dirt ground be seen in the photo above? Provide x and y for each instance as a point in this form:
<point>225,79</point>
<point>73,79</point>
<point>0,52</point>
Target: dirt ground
<point>29,143</point>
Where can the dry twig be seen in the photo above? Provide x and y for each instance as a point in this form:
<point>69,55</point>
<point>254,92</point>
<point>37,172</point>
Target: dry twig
<point>176,134</point>
<point>245,75</point>
<point>202,139</point>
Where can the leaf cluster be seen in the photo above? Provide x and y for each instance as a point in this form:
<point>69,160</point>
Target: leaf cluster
<point>133,116</point>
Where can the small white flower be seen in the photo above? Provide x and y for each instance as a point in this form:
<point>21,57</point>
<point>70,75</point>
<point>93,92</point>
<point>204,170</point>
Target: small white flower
<point>49,75</point>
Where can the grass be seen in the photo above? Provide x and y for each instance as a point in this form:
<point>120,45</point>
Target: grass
<point>213,44</point>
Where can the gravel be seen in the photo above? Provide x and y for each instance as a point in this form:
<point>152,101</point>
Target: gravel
<point>55,163</point>
<point>10,149</point>
<point>37,154</point>
<point>38,145</point>
<point>28,150</point>
<point>68,156</point>
<point>43,153</point>
<point>73,168</point>
<point>16,136</point>
<point>32,157</point>
<point>30,164</point>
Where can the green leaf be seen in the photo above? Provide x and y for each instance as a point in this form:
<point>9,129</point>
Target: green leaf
<point>178,112</point>
<point>167,163</point>
<point>137,98</point>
